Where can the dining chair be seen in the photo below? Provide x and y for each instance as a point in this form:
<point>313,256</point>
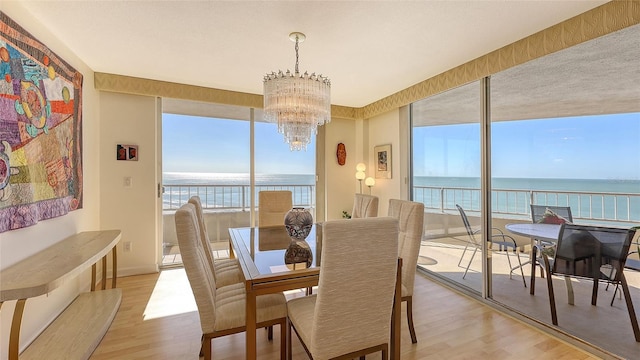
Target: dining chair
<point>548,214</point>
<point>630,263</point>
<point>498,237</point>
<point>273,206</point>
<point>410,217</point>
<point>605,250</point>
<point>351,314</point>
<point>222,310</point>
<point>225,271</point>
<point>364,206</point>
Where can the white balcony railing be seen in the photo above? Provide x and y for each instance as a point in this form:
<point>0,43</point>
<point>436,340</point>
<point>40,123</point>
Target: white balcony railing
<point>231,197</point>
<point>588,206</point>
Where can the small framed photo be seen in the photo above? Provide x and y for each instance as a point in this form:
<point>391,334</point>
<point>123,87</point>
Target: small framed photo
<point>382,155</point>
<point>127,152</point>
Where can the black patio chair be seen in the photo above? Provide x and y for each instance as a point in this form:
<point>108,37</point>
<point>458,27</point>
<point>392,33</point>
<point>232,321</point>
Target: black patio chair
<point>597,253</point>
<point>499,238</point>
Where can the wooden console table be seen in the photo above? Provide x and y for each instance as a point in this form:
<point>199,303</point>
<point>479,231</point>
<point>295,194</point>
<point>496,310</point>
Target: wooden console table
<point>77,331</point>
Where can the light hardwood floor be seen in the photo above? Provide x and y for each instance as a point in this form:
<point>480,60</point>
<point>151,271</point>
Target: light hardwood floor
<point>158,320</point>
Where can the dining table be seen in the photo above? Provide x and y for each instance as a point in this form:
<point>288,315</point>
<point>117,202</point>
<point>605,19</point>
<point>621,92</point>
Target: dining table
<point>261,254</point>
<point>541,232</point>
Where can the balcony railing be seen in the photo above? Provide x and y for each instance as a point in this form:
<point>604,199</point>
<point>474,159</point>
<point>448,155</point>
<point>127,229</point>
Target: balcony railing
<point>231,197</point>
<point>588,206</point>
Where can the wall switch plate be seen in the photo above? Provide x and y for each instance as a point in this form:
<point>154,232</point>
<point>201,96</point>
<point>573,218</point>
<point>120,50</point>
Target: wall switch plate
<point>126,246</point>
<point>127,181</point>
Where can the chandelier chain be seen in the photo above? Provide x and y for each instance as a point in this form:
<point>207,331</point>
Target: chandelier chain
<point>297,72</point>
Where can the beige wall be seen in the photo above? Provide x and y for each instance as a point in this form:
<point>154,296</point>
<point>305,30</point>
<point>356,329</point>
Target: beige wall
<point>341,183</point>
<point>16,245</point>
<point>130,120</point>
<point>384,129</point>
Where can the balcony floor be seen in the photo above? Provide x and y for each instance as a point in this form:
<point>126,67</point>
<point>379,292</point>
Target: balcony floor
<point>608,327</point>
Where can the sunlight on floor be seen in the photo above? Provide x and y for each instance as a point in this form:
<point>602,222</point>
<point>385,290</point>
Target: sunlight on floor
<point>171,296</point>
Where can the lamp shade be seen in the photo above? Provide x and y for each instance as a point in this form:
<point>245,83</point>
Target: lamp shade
<point>370,181</point>
<point>360,175</point>
<point>361,167</point>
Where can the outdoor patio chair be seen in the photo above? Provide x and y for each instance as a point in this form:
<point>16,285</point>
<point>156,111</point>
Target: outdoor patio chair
<point>222,310</point>
<point>499,238</point>
<point>548,214</point>
<point>364,206</point>
<point>631,264</point>
<point>351,314</point>
<point>273,205</point>
<point>604,251</point>
<point>410,217</point>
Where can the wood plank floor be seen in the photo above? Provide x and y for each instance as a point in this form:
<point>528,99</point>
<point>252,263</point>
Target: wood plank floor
<point>158,320</point>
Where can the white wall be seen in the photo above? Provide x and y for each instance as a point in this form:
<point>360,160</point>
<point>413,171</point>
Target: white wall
<point>130,120</point>
<point>18,244</point>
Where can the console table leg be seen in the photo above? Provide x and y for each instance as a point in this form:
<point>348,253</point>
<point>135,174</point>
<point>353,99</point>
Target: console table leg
<point>14,337</point>
<point>114,268</point>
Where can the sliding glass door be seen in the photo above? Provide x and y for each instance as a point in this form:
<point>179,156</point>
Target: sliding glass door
<point>446,178</point>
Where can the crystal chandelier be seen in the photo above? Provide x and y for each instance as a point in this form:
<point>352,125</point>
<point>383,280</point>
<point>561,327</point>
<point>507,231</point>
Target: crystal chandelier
<point>298,103</point>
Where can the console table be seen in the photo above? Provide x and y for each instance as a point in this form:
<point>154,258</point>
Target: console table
<point>77,331</point>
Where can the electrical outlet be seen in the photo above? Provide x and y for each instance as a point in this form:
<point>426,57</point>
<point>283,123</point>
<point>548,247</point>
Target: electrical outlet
<point>127,182</point>
<point>126,247</point>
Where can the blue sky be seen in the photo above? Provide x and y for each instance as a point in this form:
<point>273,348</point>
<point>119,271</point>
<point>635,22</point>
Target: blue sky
<point>200,144</point>
<point>590,147</point>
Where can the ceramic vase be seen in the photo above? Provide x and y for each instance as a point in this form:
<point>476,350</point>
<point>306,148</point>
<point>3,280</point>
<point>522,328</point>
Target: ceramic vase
<point>298,222</point>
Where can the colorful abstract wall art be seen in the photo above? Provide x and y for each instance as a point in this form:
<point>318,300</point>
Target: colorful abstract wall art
<point>40,131</point>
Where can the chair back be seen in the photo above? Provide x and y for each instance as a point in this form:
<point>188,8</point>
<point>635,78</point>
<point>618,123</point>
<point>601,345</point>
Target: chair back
<point>466,223</point>
<point>604,249</point>
<point>410,217</point>
<point>204,235</point>
<point>356,286</point>
<point>538,212</point>
<point>196,265</point>
<point>364,206</point>
<point>273,206</point>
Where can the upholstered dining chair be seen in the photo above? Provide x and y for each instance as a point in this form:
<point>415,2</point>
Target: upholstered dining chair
<point>225,271</point>
<point>273,206</point>
<point>221,309</point>
<point>410,217</point>
<point>498,237</point>
<point>351,314</point>
<point>364,206</point>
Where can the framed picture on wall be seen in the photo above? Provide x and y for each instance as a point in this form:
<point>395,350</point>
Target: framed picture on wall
<point>127,152</point>
<point>382,155</point>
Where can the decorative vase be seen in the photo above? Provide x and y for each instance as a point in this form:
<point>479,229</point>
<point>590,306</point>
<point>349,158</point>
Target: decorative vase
<point>298,254</point>
<point>298,222</point>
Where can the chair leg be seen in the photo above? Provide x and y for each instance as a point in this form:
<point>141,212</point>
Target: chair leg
<point>463,252</point>
<point>206,347</point>
<point>469,265</point>
<point>412,330</point>
<point>630,308</point>
<point>521,271</point>
<point>283,339</point>
<point>552,299</point>
<point>289,355</point>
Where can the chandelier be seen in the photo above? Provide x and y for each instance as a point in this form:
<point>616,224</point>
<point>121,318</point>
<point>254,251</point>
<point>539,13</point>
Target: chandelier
<point>298,103</point>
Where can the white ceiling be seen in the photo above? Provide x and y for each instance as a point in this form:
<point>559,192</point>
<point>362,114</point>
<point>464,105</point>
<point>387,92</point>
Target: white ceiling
<point>369,49</point>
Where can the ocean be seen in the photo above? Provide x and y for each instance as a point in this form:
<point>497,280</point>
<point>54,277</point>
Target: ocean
<point>588,198</point>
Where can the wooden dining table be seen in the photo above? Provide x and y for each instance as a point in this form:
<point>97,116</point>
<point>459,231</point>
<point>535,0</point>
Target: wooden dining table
<point>261,254</point>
